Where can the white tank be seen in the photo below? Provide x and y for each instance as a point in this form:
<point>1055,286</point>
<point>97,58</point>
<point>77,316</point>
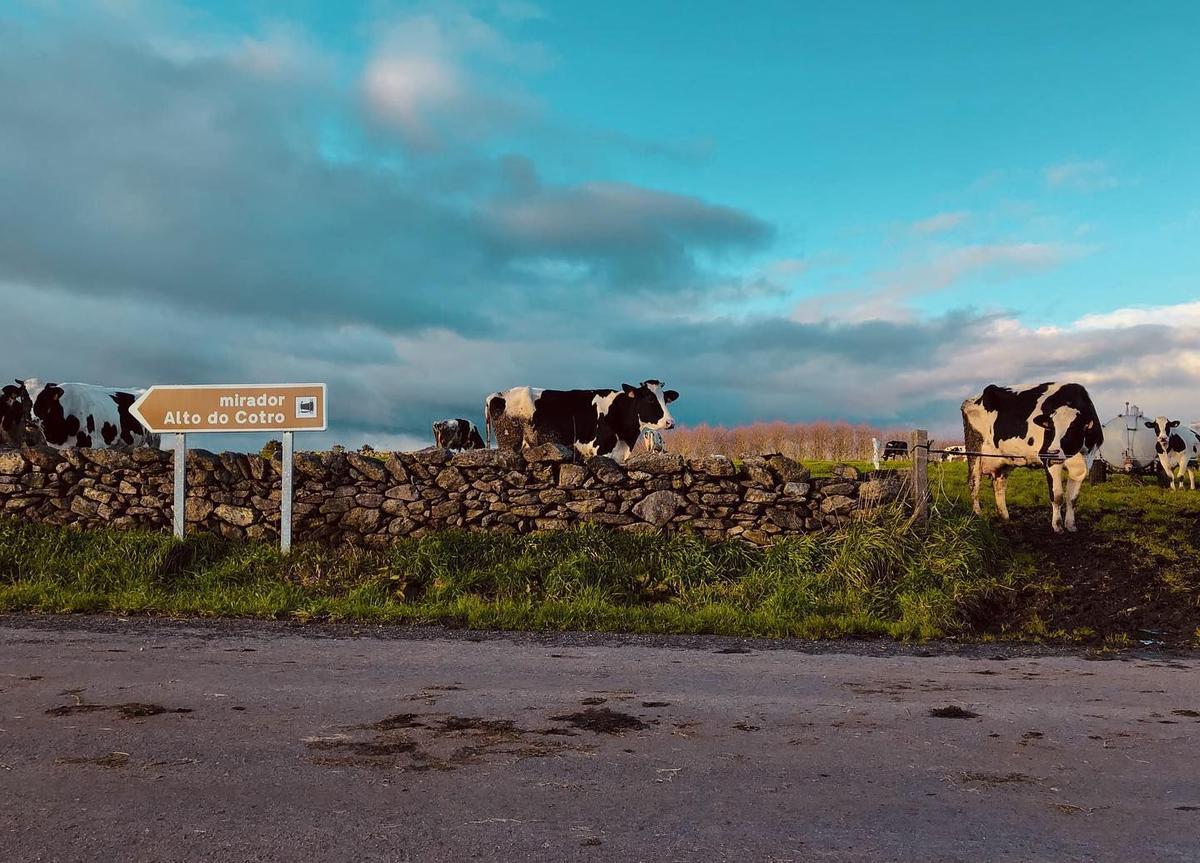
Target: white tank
<point>1128,445</point>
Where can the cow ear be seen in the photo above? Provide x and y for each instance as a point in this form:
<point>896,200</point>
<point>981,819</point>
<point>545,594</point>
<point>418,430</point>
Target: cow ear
<point>629,391</point>
<point>1173,424</point>
<point>670,396</point>
<point>1149,424</point>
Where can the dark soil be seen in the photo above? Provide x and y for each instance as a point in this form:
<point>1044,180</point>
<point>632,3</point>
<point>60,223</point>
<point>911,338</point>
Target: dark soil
<point>998,778</point>
<point>112,759</point>
<point>392,723</point>
<point>1105,583</point>
<point>953,711</point>
<point>602,720</point>
<point>129,710</point>
<point>475,723</point>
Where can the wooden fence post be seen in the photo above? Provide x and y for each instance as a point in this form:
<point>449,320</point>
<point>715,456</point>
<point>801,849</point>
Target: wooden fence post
<point>920,476</point>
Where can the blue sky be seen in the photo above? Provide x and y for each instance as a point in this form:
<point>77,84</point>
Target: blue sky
<point>787,211</point>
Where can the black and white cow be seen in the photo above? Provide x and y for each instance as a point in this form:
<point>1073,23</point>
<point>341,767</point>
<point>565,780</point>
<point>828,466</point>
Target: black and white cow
<point>81,415</point>
<point>954,452</point>
<point>1053,426</point>
<point>456,434</point>
<point>17,428</point>
<point>593,422</point>
<point>1178,447</point>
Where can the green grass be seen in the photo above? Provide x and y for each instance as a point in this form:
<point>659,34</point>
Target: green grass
<point>873,578</point>
<point>1138,548</point>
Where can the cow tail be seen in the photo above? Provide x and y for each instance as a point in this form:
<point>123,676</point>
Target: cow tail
<point>1093,436</point>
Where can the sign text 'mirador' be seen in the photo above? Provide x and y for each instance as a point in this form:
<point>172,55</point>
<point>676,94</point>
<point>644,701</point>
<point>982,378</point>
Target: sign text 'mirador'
<point>264,400</point>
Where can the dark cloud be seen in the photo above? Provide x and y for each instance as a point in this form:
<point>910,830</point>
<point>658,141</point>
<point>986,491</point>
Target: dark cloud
<point>146,175</point>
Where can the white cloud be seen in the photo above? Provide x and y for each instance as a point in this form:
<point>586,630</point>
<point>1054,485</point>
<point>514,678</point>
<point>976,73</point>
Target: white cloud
<point>940,223</point>
<point>954,265</point>
<point>1083,176</point>
<point>410,90</point>
<point>888,291</point>
<point>1182,315</point>
<point>432,78</point>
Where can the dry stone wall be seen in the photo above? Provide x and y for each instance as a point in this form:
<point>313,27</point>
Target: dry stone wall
<point>370,500</point>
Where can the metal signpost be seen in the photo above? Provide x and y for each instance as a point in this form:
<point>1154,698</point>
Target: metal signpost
<point>181,410</point>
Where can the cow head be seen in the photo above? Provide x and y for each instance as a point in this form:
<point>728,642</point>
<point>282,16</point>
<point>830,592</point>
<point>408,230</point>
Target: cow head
<point>442,434</point>
<point>17,426</point>
<point>1162,428</point>
<point>650,403</point>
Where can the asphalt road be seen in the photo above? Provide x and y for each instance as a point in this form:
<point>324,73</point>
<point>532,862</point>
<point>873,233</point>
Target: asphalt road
<point>322,745</point>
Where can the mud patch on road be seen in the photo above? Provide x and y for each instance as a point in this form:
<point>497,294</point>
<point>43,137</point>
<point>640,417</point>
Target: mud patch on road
<point>953,711</point>
<point>430,694</point>
<point>128,710</point>
<point>602,720</point>
<point>1191,714</point>
<point>996,779</point>
<point>112,759</point>
<point>420,742</point>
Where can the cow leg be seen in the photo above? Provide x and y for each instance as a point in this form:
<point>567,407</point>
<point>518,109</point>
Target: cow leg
<point>1000,489</point>
<point>974,479</point>
<point>1076,469</point>
<point>1054,474</point>
<point>1073,486</point>
<point>1167,468</point>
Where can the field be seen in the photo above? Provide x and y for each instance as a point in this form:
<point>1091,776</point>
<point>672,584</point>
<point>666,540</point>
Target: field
<point>1132,573</point>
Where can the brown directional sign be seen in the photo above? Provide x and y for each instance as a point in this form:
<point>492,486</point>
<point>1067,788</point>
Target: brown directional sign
<point>232,408</point>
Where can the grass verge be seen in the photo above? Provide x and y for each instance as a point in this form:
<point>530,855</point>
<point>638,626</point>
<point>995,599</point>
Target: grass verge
<point>1132,573</point>
<point>875,578</point>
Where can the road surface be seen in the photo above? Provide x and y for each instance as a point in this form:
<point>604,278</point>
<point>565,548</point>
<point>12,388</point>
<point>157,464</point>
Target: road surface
<point>160,741</point>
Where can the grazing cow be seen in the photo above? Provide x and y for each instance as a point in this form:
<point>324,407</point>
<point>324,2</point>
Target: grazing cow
<point>895,449</point>
<point>593,422</point>
<point>1053,426</point>
<point>955,452</point>
<point>82,415</point>
<point>456,434</point>
<point>1177,448</point>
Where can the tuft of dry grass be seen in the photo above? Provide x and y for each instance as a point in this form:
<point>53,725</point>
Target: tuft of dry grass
<point>812,441</point>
